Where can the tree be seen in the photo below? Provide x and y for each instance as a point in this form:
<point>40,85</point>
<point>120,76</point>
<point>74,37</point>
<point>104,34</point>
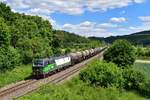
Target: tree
<point>4,33</point>
<point>9,58</point>
<point>121,53</point>
<point>34,48</point>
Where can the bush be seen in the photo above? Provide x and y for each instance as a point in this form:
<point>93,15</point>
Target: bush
<point>132,79</point>
<point>121,53</point>
<point>9,58</point>
<point>140,52</point>
<point>102,74</point>
<point>144,88</point>
<point>68,50</point>
<point>147,52</point>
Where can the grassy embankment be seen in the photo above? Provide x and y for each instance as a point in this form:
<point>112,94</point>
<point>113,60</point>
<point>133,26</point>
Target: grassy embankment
<point>75,89</point>
<point>19,73</point>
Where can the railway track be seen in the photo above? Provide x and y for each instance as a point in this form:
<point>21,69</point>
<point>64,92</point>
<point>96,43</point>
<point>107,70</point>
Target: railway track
<point>32,84</point>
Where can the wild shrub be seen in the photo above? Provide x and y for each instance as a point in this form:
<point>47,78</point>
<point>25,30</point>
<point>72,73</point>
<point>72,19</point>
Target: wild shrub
<point>102,74</point>
<point>140,52</point>
<point>144,88</point>
<point>121,53</point>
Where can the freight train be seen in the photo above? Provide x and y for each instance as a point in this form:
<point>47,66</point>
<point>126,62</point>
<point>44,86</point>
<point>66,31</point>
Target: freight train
<point>44,67</point>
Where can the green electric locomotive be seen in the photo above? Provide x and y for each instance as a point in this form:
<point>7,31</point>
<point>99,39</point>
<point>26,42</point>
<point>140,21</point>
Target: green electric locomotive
<point>43,67</point>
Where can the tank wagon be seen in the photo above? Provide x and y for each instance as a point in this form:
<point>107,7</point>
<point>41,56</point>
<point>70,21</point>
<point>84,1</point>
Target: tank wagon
<point>44,67</point>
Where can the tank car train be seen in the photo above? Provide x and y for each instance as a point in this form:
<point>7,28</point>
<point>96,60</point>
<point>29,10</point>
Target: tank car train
<point>44,67</point>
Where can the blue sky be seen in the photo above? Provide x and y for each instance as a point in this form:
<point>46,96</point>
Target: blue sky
<point>101,18</point>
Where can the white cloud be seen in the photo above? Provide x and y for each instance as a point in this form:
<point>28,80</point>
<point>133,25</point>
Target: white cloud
<point>3,0</point>
<point>117,20</point>
<point>144,18</point>
<point>88,28</point>
<point>134,29</point>
<point>138,1</point>
<point>73,7</point>
<point>107,4</point>
<point>107,25</point>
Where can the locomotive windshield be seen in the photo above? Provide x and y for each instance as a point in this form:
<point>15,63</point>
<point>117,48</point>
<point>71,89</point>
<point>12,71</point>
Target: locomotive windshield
<point>43,62</point>
<point>38,62</point>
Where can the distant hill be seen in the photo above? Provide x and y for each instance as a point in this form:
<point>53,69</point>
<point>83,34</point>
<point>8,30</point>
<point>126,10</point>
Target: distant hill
<point>140,38</point>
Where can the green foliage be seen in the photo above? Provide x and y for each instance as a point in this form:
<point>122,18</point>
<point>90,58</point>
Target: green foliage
<point>4,33</point>
<point>121,53</point>
<point>132,79</point>
<point>9,58</point>
<point>17,74</point>
<point>108,75</point>
<point>139,51</point>
<point>33,48</point>
<point>68,50</point>
<point>144,88</point>
<point>143,52</point>
<point>102,74</point>
<point>63,39</point>
<point>5,12</point>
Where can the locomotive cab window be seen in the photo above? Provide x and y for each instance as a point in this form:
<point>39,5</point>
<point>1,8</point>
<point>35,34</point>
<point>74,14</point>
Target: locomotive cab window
<point>38,63</point>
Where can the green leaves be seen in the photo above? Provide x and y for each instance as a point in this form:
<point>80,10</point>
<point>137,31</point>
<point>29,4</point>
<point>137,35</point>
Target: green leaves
<point>133,79</point>
<point>121,53</point>
<point>34,48</point>
<point>9,58</point>
<point>102,74</point>
<point>4,33</point>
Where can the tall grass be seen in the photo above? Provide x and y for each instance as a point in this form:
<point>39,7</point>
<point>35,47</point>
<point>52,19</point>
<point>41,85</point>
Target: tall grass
<point>19,73</point>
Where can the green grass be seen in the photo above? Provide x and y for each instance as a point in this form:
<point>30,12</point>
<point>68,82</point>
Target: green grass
<point>19,73</point>
<point>143,67</point>
<point>75,89</point>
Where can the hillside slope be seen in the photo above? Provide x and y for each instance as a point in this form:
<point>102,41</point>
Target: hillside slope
<point>140,38</point>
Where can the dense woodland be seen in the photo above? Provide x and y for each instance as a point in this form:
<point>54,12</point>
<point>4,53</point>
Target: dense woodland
<point>25,37</point>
